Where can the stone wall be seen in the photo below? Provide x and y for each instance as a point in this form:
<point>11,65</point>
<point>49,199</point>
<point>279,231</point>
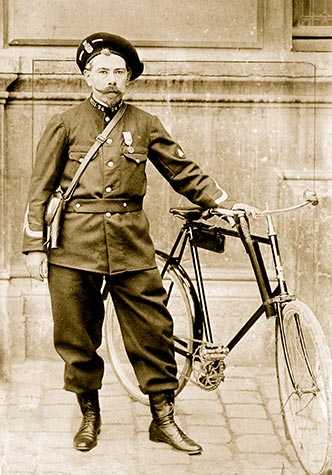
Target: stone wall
<point>257,119</point>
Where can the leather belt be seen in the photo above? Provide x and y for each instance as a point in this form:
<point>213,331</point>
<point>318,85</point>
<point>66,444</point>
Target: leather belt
<point>106,205</point>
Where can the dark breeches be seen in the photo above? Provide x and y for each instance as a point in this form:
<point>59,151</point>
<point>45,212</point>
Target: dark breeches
<point>146,326</point>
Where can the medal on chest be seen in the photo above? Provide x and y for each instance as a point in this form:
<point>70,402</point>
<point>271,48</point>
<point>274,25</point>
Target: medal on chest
<point>128,140</point>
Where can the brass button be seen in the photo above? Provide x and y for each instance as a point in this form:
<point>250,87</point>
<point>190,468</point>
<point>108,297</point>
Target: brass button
<point>110,164</point>
<point>78,205</point>
<point>124,205</point>
<point>108,214</point>
<point>108,189</point>
<point>109,141</point>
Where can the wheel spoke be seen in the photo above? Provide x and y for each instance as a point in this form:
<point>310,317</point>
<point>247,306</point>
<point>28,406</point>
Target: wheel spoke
<point>306,404</point>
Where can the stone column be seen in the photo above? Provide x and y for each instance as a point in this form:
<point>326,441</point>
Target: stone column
<point>8,75</point>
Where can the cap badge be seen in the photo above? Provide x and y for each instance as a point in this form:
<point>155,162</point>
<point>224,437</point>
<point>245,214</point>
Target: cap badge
<point>88,48</point>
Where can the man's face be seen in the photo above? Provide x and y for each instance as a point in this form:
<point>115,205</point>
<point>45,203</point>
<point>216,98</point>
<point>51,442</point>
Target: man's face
<point>108,78</point>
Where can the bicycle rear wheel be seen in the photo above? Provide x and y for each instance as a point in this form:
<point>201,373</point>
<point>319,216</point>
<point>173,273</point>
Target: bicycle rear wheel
<point>181,306</point>
<point>306,406</point>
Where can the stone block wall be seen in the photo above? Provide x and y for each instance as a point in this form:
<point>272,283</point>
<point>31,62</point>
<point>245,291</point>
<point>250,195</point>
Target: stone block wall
<point>255,114</point>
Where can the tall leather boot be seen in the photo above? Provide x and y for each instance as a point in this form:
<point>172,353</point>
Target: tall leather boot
<point>86,437</point>
<point>163,428</point>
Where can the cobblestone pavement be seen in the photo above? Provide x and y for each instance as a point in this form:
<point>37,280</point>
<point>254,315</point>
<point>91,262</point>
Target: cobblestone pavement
<point>239,426</point>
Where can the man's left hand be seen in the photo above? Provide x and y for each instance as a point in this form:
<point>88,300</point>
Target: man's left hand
<point>248,209</point>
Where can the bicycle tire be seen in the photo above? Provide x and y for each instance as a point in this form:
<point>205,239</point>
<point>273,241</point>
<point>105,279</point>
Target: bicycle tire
<point>307,418</point>
<point>181,307</point>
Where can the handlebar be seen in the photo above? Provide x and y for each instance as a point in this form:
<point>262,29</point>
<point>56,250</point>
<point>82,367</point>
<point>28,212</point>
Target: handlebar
<point>310,197</point>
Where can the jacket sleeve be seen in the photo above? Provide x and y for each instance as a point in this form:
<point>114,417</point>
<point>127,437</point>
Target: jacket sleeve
<point>44,180</point>
<point>184,175</point>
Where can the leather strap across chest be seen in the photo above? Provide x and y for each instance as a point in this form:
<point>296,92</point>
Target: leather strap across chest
<point>100,139</point>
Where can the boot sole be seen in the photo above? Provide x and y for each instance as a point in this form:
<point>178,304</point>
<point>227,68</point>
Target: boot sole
<point>194,452</point>
<point>157,439</point>
<point>86,449</point>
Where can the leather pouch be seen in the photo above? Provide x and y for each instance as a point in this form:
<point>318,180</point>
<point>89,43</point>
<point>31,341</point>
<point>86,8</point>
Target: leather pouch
<point>53,217</point>
<point>208,238</point>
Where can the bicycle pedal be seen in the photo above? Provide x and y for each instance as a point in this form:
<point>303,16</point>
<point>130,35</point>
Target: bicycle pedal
<point>213,352</point>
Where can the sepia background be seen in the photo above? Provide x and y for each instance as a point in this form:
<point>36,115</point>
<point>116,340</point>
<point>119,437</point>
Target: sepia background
<point>245,88</point>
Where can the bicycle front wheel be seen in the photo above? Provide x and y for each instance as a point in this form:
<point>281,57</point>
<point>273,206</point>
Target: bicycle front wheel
<point>181,306</point>
<point>303,368</point>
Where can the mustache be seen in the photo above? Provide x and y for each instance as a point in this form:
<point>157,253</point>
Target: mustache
<point>108,89</point>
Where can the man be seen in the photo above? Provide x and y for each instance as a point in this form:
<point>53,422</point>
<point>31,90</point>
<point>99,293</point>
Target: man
<point>105,234</point>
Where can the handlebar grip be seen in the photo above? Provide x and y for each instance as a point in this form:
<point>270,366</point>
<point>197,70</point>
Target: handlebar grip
<point>311,195</point>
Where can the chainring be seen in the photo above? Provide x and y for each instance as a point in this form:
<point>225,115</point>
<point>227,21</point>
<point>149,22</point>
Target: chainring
<point>208,366</point>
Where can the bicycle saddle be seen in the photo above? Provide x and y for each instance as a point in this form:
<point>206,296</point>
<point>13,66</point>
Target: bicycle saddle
<point>187,213</point>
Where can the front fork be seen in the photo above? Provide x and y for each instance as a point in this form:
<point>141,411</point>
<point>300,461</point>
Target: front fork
<point>252,247</point>
<point>285,343</point>
<point>273,305</point>
<point>280,301</point>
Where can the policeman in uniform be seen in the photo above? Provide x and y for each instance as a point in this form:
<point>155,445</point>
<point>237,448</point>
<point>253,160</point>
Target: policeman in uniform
<point>105,234</point>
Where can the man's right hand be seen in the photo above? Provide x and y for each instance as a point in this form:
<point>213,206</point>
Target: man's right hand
<point>37,265</point>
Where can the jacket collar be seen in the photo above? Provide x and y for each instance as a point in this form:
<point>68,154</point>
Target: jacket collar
<point>109,111</point>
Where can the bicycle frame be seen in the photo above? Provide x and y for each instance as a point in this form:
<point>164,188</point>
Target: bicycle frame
<point>302,353</point>
<point>272,300</point>
<point>251,244</point>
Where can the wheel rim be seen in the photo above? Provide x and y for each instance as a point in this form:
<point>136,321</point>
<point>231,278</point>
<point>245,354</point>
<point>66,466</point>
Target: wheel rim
<point>181,309</point>
<point>307,415</point>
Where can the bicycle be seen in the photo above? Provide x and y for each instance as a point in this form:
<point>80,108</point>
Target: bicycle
<point>303,360</point>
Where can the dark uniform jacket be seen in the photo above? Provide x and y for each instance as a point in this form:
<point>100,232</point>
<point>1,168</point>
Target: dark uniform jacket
<point>96,237</point>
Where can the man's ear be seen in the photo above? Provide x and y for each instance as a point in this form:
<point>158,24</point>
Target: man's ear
<point>87,76</point>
